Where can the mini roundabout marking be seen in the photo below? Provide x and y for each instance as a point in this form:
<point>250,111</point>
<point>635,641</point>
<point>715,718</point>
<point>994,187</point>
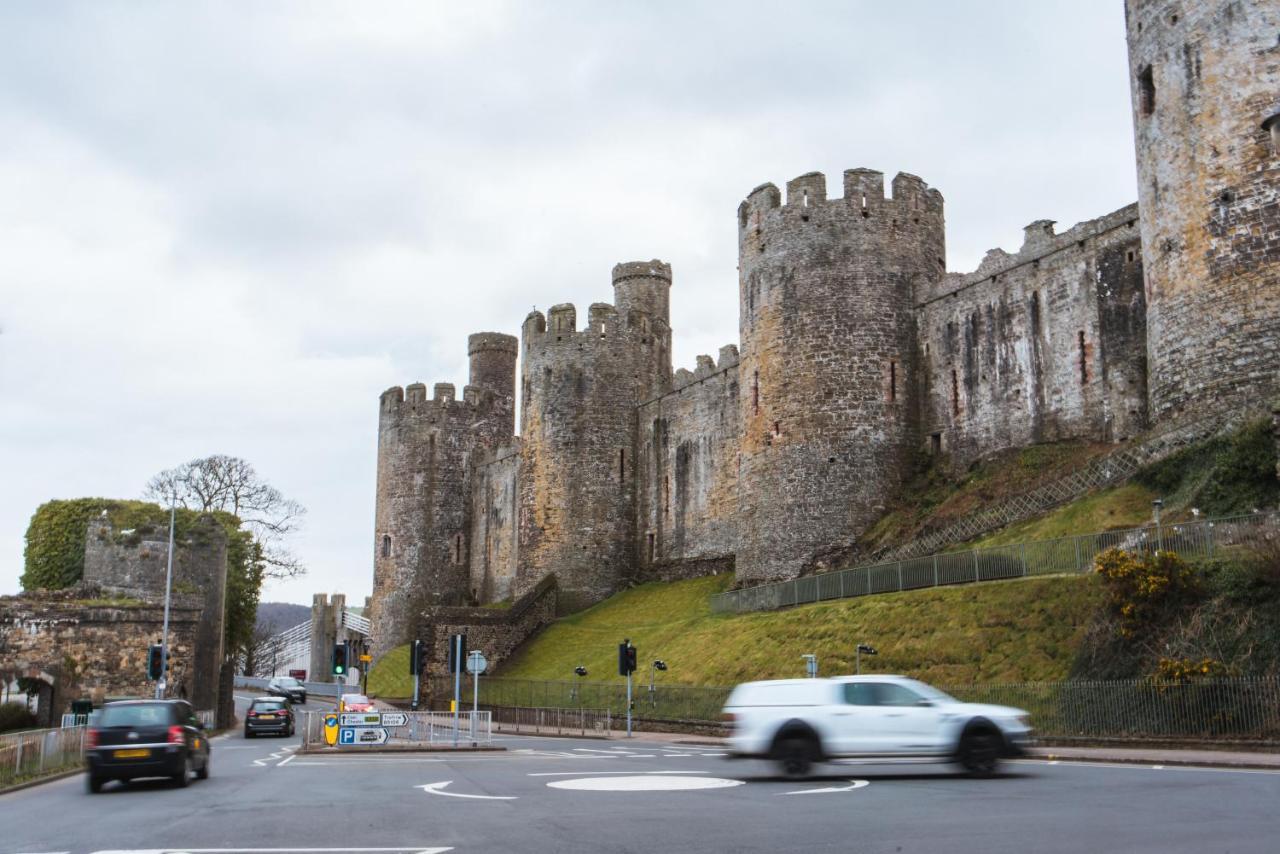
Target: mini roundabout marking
<point>644,783</point>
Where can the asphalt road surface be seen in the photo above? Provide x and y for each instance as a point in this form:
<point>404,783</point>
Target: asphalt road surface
<point>570,795</point>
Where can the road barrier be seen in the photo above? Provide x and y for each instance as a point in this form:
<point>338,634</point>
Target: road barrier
<point>1066,555</point>
<point>538,721</point>
<point>35,753</point>
<point>399,729</point>
<point>1235,709</point>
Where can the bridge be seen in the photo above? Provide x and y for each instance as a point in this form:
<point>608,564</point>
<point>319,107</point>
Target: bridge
<point>307,646</point>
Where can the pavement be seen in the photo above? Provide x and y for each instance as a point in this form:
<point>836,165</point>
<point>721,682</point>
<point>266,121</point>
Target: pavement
<point>651,793</point>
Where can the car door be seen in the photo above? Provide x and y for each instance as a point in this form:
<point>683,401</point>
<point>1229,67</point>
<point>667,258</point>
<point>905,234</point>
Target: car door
<point>853,720</point>
<point>909,723</point>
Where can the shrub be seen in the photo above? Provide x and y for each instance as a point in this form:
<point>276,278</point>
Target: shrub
<point>1142,586</point>
<point>15,716</point>
<point>1187,670</point>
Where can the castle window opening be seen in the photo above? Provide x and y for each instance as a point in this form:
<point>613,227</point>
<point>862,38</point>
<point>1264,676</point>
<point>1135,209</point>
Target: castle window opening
<point>935,443</point>
<point>457,549</point>
<point>1146,91</point>
<point>651,546</point>
<point>1084,361</point>
<point>955,393</point>
<point>1272,126</point>
<point>622,465</point>
<point>666,495</point>
<point>777,428</point>
<point>755,393</point>
<point>891,393</point>
<point>386,545</point>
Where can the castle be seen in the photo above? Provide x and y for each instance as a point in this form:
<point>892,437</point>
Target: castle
<point>857,351</point>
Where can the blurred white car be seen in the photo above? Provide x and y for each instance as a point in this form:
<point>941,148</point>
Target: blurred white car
<point>798,722</point>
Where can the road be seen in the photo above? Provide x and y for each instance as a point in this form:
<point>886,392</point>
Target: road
<point>643,795</point>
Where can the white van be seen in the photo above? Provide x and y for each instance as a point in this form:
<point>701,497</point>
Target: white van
<point>801,721</point>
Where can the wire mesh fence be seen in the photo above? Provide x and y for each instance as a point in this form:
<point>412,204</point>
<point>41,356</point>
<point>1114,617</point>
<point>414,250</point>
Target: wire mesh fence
<point>35,753</point>
<point>1246,709</point>
<point>1076,554</point>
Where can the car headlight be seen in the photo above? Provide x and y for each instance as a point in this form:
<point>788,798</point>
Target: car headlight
<point>1023,721</point>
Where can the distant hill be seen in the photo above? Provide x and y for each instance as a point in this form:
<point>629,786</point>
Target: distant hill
<point>278,616</point>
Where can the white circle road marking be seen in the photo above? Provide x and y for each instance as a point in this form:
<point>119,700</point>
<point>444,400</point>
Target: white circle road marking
<point>644,783</point>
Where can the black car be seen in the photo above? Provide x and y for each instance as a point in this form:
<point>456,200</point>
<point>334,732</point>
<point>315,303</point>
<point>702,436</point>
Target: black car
<point>287,686</point>
<point>268,714</point>
<point>146,738</point>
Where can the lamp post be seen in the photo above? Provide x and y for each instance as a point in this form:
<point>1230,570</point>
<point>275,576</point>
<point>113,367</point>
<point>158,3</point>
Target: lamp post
<point>658,664</point>
<point>581,673</point>
<point>1156,505</point>
<point>161,683</point>
<point>810,665</point>
<point>861,650</point>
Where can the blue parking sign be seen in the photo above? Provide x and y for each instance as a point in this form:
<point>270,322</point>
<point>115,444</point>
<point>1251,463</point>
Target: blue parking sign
<point>346,735</point>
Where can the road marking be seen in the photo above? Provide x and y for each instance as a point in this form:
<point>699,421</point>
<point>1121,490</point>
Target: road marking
<point>1157,767</point>
<point>644,783</point>
<point>438,789</point>
<point>288,759</point>
<point>275,755</point>
<point>578,773</point>
<point>856,784</point>
<point>640,756</point>
<point>413,850</point>
<point>593,750</point>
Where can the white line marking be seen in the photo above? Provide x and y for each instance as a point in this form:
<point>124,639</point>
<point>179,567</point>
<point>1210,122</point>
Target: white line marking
<point>413,850</point>
<point>644,783</point>
<point>288,759</point>
<point>438,789</point>
<point>639,756</point>
<point>579,773</point>
<point>1157,767</point>
<point>857,784</point>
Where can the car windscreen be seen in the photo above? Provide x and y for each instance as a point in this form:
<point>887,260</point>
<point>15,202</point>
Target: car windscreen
<point>357,698</point>
<point>289,682</point>
<point>931,692</point>
<point>136,715</point>
<point>267,705</point>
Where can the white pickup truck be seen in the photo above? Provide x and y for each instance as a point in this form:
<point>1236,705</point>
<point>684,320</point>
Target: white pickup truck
<point>798,722</point>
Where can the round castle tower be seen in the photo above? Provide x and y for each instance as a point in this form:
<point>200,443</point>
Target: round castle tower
<point>827,369</point>
<point>580,388</point>
<point>1205,80</point>
<point>422,517</point>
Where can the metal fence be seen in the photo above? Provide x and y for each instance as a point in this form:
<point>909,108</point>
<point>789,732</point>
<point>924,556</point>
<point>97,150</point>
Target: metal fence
<point>26,755</point>
<point>539,721</point>
<point>1235,709</point>
<point>1043,557</point>
<point>419,729</point>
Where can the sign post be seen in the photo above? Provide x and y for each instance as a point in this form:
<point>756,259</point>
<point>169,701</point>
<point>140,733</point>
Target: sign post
<point>457,683</point>
<point>476,665</point>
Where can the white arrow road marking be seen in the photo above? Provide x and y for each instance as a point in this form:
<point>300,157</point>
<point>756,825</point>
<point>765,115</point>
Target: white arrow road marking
<point>438,789</point>
<point>857,784</point>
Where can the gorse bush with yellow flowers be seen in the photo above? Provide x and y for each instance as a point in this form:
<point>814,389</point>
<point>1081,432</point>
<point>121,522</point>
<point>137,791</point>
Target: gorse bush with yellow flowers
<point>1141,587</point>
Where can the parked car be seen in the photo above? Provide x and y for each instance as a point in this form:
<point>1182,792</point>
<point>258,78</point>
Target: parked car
<point>146,738</point>
<point>287,686</point>
<point>268,715</point>
<point>798,722</point>
<point>355,703</point>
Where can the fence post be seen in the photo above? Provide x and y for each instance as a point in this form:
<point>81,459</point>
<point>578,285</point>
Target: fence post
<point>1079,568</point>
<point>935,570</point>
<point>976,577</point>
<point>899,576</point>
<point>1024,559</point>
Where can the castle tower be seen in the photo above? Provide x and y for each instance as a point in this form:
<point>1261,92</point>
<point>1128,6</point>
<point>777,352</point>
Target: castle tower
<point>1205,77</point>
<point>422,518</point>
<point>580,388</point>
<point>827,372</point>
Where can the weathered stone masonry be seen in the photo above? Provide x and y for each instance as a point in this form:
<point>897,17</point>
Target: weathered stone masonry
<point>859,353</point>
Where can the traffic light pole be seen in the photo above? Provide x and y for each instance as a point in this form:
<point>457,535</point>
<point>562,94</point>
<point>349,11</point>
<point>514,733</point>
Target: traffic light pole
<point>628,705</point>
<point>168,592</point>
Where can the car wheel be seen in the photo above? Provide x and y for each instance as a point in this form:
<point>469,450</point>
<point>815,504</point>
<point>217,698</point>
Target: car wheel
<point>247,734</point>
<point>291,730</point>
<point>796,755</point>
<point>980,752</point>
<point>203,773</point>
<point>94,783</point>
<point>183,778</point>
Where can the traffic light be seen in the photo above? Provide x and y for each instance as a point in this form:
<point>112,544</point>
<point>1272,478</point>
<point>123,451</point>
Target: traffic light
<point>415,658</point>
<point>626,658</point>
<point>155,662</point>
<point>457,654</point>
<point>339,659</point>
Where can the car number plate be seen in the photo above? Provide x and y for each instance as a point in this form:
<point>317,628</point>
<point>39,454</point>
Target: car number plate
<point>137,753</point>
<point>266,717</point>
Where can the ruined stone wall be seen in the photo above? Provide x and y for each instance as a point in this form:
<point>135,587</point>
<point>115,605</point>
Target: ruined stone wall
<point>578,439</point>
<point>422,520</point>
<point>828,370</point>
<point>495,500</point>
<point>1045,345</point>
<point>134,564</point>
<point>1204,77</point>
<point>687,464</point>
<point>87,648</point>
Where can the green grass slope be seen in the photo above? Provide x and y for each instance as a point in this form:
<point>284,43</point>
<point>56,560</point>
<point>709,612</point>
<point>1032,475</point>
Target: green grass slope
<point>1007,631</point>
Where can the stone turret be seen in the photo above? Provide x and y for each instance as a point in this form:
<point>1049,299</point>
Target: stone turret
<point>828,362</point>
<point>1205,77</point>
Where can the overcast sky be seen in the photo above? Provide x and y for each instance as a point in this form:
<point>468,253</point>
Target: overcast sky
<point>227,227</point>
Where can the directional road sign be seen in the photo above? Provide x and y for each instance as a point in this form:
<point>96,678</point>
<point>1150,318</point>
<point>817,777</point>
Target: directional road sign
<point>394,719</point>
<point>362,735</point>
<point>361,719</point>
<point>476,662</point>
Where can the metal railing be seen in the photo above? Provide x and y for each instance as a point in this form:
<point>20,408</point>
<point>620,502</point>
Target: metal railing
<point>291,648</point>
<point>320,689</point>
<point>420,729</point>
<point>35,753</point>
<point>1042,557</point>
<point>1245,709</point>
<point>536,721</point>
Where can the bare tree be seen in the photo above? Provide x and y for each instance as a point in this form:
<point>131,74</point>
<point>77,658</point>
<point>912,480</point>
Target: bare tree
<point>220,482</point>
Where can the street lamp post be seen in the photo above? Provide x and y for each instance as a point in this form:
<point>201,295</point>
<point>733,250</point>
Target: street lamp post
<point>862,648</point>
<point>581,673</point>
<point>1156,505</point>
<point>658,664</point>
<point>162,682</point>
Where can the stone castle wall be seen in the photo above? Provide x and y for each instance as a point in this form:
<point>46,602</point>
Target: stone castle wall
<point>495,532</point>
<point>1040,346</point>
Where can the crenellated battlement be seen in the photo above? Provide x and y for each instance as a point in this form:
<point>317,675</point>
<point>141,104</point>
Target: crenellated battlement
<point>444,404</point>
<point>707,367</point>
<point>484,342</point>
<point>911,200</point>
<point>654,269</point>
<point>604,323</point>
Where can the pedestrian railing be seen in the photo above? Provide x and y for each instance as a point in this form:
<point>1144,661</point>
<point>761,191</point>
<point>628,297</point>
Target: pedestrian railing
<point>396,729</point>
<point>1042,557</point>
<point>537,721</point>
<point>1245,709</point>
<point>35,753</point>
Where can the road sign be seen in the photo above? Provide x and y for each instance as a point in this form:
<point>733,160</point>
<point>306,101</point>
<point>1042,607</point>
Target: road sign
<point>476,662</point>
<point>394,719</point>
<point>362,735</point>
<point>331,729</point>
<point>366,657</point>
<point>361,719</point>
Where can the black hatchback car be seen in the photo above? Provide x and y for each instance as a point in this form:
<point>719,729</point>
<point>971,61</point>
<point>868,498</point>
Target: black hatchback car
<point>287,686</point>
<point>146,738</point>
<point>268,714</point>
